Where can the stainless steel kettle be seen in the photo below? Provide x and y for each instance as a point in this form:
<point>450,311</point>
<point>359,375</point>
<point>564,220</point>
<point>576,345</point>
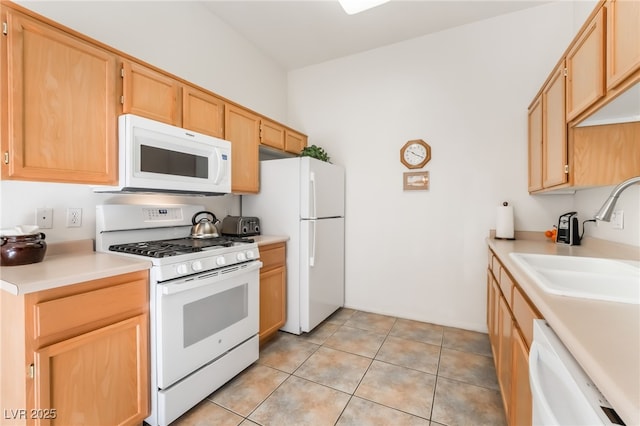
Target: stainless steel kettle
<point>204,228</point>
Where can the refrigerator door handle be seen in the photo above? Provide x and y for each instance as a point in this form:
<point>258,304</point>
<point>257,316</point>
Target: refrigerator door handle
<point>312,179</point>
<point>312,243</point>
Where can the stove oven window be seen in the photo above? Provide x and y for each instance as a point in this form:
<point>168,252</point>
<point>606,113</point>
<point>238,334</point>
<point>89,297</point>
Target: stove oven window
<point>206,317</point>
<point>167,162</point>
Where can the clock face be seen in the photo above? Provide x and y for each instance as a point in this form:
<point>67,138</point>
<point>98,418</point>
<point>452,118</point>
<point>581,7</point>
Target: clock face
<point>415,154</point>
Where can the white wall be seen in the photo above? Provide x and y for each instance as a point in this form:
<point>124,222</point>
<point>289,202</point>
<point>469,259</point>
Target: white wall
<point>183,38</point>
<point>465,91</point>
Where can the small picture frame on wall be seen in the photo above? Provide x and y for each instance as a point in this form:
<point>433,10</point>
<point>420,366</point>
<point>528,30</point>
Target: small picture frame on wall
<point>416,181</point>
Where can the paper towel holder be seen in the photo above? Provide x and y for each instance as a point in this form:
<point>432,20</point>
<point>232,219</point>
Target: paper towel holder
<point>505,223</point>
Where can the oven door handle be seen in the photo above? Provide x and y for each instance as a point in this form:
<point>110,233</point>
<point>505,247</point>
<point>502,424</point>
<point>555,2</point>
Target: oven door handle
<point>208,278</point>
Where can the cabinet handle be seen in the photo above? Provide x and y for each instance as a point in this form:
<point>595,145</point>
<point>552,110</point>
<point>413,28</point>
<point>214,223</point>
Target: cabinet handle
<point>5,30</point>
<point>32,371</point>
<point>6,157</point>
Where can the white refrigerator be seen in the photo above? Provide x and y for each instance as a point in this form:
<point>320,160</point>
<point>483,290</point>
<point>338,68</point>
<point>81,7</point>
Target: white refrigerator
<point>303,198</point>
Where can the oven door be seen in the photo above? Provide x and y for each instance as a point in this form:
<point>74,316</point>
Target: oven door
<point>199,318</point>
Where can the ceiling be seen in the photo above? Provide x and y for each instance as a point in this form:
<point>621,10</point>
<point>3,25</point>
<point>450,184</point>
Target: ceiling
<point>298,33</point>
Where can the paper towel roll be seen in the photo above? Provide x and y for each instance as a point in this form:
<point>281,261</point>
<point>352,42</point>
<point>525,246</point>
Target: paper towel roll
<point>504,222</point>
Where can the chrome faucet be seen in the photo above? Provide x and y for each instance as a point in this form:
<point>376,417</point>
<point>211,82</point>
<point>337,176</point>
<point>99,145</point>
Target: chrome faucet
<point>606,210</point>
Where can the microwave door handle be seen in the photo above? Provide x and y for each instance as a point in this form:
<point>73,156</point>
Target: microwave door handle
<point>221,165</point>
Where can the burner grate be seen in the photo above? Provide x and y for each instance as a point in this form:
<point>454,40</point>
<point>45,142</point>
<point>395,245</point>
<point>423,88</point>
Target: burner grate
<point>175,247</point>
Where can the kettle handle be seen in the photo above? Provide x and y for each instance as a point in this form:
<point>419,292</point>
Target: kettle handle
<point>213,216</point>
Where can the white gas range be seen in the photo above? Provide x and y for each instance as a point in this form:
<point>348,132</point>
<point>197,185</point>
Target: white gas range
<point>204,301</point>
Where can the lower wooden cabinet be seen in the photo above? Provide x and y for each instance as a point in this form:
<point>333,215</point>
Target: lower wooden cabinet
<point>520,406</point>
<point>79,353</point>
<point>510,323</point>
<point>96,378</point>
<point>273,290</point>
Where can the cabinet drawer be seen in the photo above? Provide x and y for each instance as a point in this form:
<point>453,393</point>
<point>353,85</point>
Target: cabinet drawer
<point>524,315</point>
<point>272,255</point>
<point>68,313</point>
<point>506,285</point>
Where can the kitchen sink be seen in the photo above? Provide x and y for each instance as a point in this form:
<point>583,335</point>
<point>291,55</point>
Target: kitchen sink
<point>612,280</point>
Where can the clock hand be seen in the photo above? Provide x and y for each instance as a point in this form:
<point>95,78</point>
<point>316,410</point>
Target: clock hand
<point>417,155</point>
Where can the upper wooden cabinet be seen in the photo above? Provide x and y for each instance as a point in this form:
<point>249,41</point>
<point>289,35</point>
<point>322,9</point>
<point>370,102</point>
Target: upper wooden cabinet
<point>149,94</point>
<point>554,130</point>
<point>623,40</point>
<point>294,142</point>
<point>535,145</point>
<point>202,112</point>
<point>599,65</point>
<point>277,136</point>
<point>60,105</point>
<point>242,129</point>
<point>271,134</point>
<point>152,94</point>
<point>585,67</point>
<point>61,94</point>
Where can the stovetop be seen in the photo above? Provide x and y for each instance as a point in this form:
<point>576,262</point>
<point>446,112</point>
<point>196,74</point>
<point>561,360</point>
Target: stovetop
<point>177,246</point>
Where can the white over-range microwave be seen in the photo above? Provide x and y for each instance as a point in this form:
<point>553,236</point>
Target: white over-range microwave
<point>158,157</point>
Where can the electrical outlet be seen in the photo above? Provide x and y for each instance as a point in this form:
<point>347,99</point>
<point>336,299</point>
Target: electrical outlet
<point>617,219</point>
<point>44,218</point>
<point>74,217</point>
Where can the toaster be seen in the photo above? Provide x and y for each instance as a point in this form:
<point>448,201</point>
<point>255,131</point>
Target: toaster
<point>240,226</point>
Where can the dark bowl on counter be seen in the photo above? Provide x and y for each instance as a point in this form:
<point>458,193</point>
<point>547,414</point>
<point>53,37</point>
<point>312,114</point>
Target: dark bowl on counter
<point>22,249</point>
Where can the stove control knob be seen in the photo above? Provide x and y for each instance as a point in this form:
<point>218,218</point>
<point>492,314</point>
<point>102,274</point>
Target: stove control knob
<point>250,254</point>
<point>241,257</point>
<point>221,261</point>
<point>181,269</point>
<point>196,266</point>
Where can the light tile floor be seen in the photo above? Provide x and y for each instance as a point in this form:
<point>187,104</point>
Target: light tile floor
<point>359,368</point>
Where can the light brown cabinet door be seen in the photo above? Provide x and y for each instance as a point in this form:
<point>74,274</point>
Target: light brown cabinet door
<point>61,106</point>
<point>272,301</point>
<point>273,289</point>
<point>554,135</point>
<point>586,68</point>
<point>493,295</point>
<point>202,112</point>
<point>520,410</point>
<point>271,134</point>
<point>294,142</point>
<point>504,370</point>
<point>242,129</point>
<point>623,40</point>
<point>97,378</point>
<point>149,94</point>
<point>535,145</point>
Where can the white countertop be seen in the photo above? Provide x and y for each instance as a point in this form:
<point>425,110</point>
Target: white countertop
<point>604,337</point>
<point>66,264</point>
<point>263,240</point>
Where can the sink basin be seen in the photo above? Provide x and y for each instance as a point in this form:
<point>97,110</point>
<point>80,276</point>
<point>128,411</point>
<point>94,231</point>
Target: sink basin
<point>584,277</point>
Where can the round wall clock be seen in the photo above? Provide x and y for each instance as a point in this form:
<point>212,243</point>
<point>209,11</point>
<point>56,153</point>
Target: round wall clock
<point>415,154</point>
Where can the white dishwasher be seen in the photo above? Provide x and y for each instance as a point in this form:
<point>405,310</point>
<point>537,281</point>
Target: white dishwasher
<point>562,392</point>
